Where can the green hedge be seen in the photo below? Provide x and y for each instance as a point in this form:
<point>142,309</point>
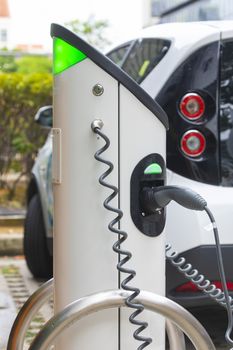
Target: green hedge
<point>20,137</point>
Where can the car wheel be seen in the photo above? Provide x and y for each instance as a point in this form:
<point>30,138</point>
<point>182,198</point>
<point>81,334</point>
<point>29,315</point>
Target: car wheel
<point>37,256</point>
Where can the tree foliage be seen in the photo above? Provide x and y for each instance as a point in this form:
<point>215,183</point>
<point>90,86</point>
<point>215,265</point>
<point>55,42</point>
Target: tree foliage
<point>25,64</point>
<point>34,64</point>
<point>7,61</point>
<point>21,95</point>
<point>92,30</point>
<point>25,86</point>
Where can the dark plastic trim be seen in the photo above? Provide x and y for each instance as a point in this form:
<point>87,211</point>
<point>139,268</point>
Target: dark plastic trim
<point>203,258</point>
<point>198,73</point>
<point>111,68</point>
<point>150,224</point>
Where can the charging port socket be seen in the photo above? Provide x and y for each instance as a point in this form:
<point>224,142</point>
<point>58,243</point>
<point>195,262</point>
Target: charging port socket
<point>150,172</point>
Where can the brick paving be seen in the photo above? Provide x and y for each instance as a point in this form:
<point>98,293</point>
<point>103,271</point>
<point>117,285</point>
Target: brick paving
<point>16,285</point>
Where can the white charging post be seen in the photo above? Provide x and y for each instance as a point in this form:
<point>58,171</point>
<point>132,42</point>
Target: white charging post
<point>87,86</point>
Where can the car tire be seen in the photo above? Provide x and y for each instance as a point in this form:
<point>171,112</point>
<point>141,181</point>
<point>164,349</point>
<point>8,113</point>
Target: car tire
<point>37,256</point>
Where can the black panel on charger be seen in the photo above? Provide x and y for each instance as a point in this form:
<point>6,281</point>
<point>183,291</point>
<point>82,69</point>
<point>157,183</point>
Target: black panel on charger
<point>151,225</point>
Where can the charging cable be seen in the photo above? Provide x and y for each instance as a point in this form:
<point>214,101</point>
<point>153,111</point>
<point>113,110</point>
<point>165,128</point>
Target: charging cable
<point>123,255</point>
<point>154,199</point>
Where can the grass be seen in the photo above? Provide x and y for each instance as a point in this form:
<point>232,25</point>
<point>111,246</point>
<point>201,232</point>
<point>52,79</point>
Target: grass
<point>9,270</point>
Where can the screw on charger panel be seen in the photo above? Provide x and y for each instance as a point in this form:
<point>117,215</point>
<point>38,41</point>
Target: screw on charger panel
<point>98,90</point>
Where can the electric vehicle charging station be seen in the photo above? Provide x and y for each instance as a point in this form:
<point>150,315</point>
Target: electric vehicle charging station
<point>89,88</point>
<point>99,112</point>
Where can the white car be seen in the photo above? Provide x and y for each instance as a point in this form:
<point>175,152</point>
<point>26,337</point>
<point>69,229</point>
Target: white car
<point>188,69</point>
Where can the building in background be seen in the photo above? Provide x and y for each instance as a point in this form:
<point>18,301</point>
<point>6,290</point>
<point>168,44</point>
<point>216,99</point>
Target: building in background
<point>37,49</point>
<point>203,10</point>
<point>6,35</point>
<point>4,24</point>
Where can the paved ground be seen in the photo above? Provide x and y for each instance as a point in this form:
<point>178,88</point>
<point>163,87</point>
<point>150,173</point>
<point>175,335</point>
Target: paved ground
<point>10,211</point>
<point>16,284</point>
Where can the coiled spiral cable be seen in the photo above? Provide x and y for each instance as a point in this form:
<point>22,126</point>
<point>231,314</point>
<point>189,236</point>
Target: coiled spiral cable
<point>159,197</point>
<point>220,296</point>
<point>193,276</point>
<point>122,236</point>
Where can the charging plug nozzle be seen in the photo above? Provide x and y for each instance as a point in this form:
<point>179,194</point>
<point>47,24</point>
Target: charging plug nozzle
<point>155,198</point>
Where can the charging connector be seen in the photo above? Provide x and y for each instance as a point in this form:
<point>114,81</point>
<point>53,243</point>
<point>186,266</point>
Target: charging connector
<point>154,199</point>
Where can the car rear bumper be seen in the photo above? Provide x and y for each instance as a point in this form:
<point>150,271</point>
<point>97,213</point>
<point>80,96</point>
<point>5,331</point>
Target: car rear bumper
<point>202,258</point>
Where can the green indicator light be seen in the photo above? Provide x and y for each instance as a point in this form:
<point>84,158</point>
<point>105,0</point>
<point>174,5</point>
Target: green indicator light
<point>153,168</point>
<point>65,55</point>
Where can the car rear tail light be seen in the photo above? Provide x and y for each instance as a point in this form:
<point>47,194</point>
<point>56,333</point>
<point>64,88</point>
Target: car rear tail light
<point>191,287</point>
<point>188,287</point>
<point>192,106</point>
<point>193,143</point>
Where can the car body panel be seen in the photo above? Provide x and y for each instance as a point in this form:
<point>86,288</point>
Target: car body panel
<point>204,259</point>
<point>42,173</point>
<point>219,200</point>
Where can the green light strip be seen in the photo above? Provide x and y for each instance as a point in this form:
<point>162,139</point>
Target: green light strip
<point>65,55</point>
<point>153,168</point>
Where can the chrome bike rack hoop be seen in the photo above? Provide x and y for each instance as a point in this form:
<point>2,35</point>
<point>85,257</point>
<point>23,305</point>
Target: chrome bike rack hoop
<point>44,293</point>
<point>111,299</point>
<point>41,296</point>
<point>27,313</point>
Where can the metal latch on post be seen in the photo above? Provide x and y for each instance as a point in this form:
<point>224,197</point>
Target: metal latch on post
<point>56,162</point>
